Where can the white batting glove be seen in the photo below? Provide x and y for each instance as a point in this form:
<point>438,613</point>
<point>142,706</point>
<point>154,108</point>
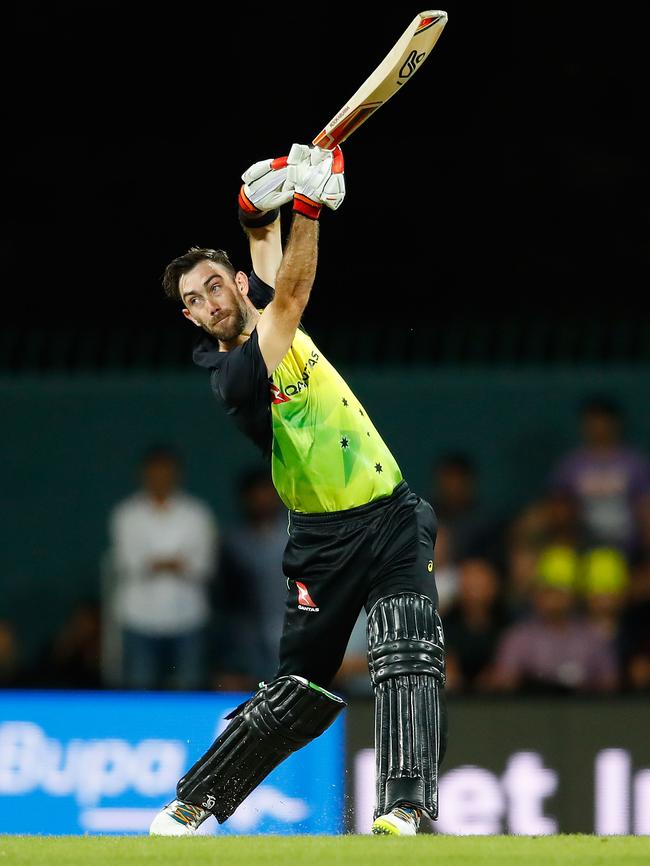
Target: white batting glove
<point>266,188</point>
<point>333,192</point>
<point>317,182</point>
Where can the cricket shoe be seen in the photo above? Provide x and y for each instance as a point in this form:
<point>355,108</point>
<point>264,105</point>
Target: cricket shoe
<point>178,819</point>
<point>400,821</point>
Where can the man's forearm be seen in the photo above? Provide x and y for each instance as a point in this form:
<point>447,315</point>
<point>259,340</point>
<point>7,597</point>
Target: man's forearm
<point>265,246</point>
<point>298,268</point>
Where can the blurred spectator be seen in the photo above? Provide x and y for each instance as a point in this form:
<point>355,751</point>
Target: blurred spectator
<point>473,625</point>
<point>562,523</point>
<point>11,672</point>
<point>604,583</point>
<point>353,677</point>
<point>635,631</point>
<point>550,521</point>
<point>72,659</point>
<point>638,670</point>
<point>163,551</point>
<point>554,650</point>
<point>250,594</point>
<point>525,538</point>
<point>609,479</point>
<point>472,529</point>
<point>446,571</point>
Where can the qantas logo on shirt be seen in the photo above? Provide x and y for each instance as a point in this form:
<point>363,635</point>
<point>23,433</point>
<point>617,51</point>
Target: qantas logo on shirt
<point>293,388</point>
<point>305,601</point>
<point>277,396</point>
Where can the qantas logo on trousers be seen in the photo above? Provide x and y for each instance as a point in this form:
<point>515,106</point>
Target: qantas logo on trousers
<point>305,601</point>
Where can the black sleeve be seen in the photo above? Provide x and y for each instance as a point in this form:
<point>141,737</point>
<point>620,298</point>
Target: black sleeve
<point>242,383</point>
<point>259,292</point>
<point>241,374</point>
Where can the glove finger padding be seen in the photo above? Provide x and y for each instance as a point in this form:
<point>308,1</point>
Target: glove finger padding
<point>313,181</point>
<point>263,167</point>
<point>299,153</point>
<point>321,182</point>
<point>334,190</point>
<point>298,164</point>
<point>264,186</point>
<point>320,154</point>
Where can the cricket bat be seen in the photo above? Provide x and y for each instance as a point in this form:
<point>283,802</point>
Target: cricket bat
<point>399,66</point>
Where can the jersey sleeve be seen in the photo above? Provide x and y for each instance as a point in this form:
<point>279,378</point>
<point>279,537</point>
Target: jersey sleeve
<point>241,383</point>
<point>260,293</point>
<point>242,375</point>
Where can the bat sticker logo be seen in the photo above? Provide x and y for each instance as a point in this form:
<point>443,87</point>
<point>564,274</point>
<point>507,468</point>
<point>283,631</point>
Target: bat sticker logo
<point>397,67</point>
<point>410,64</point>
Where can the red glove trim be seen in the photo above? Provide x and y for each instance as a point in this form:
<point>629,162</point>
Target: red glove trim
<point>306,207</point>
<point>245,203</point>
<point>337,161</point>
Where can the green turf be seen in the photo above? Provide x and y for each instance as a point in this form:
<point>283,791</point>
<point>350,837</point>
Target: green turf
<point>326,851</point>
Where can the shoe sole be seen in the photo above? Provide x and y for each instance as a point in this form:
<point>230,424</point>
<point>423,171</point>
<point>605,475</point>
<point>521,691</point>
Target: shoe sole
<point>384,828</point>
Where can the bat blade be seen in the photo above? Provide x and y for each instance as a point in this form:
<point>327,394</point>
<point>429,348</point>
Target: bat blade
<point>398,67</point>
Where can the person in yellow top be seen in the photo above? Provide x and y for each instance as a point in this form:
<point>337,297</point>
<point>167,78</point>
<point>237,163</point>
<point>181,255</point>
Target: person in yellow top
<point>358,536</point>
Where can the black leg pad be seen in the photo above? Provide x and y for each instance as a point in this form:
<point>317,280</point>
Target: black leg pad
<point>279,719</point>
<point>406,660</point>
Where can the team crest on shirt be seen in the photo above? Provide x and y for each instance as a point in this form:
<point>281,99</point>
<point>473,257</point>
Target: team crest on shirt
<point>276,394</point>
<point>305,601</point>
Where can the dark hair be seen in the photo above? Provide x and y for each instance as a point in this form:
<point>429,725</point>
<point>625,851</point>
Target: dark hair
<point>599,404</point>
<point>181,265</point>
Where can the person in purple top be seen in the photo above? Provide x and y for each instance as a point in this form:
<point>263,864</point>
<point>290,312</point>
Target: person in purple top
<point>554,650</point>
<point>609,480</point>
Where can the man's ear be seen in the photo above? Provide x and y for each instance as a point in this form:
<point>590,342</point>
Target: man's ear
<point>241,281</point>
<point>189,316</point>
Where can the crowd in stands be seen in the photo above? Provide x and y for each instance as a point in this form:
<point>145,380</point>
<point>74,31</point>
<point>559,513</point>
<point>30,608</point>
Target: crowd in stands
<point>557,598</point>
<point>552,599</point>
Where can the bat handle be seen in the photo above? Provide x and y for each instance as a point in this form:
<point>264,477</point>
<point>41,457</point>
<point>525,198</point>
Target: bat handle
<point>325,141</point>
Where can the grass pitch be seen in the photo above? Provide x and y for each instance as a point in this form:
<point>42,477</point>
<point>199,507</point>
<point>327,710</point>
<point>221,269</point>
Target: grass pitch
<point>325,851</point>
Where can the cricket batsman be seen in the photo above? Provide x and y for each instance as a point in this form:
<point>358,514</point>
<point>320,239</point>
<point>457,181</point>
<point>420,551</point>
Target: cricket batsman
<point>358,536</point>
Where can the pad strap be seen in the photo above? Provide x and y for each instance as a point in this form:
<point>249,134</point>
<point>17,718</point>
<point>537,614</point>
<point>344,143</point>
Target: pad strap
<point>405,637</point>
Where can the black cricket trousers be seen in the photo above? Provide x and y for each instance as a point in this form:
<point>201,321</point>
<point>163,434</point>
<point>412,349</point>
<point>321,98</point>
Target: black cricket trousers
<point>338,562</point>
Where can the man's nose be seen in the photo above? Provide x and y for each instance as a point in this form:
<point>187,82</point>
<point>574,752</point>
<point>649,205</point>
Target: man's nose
<point>213,307</point>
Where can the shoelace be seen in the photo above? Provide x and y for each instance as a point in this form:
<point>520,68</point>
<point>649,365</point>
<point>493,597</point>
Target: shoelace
<point>185,813</point>
<point>407,814</point>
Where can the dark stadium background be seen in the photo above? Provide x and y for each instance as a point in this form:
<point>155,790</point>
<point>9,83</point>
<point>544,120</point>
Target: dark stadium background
<point>507,182</point>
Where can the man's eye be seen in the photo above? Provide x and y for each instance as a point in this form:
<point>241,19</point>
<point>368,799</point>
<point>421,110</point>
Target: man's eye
<point>193,301</point>
<point>215,286</point>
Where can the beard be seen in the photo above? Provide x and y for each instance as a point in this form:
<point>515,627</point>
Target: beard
<point>229,328</point>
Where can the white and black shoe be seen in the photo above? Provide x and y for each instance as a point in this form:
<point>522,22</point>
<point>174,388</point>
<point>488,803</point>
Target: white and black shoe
<point>400,821</point>
<point>178,819</point>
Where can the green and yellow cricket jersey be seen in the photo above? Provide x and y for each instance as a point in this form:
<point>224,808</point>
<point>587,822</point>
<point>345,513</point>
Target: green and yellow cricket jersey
<point>326,454</point>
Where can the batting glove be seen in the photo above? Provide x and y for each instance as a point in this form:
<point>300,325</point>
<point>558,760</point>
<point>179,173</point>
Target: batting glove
<point>265,189</point>
<point>317,182</point>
